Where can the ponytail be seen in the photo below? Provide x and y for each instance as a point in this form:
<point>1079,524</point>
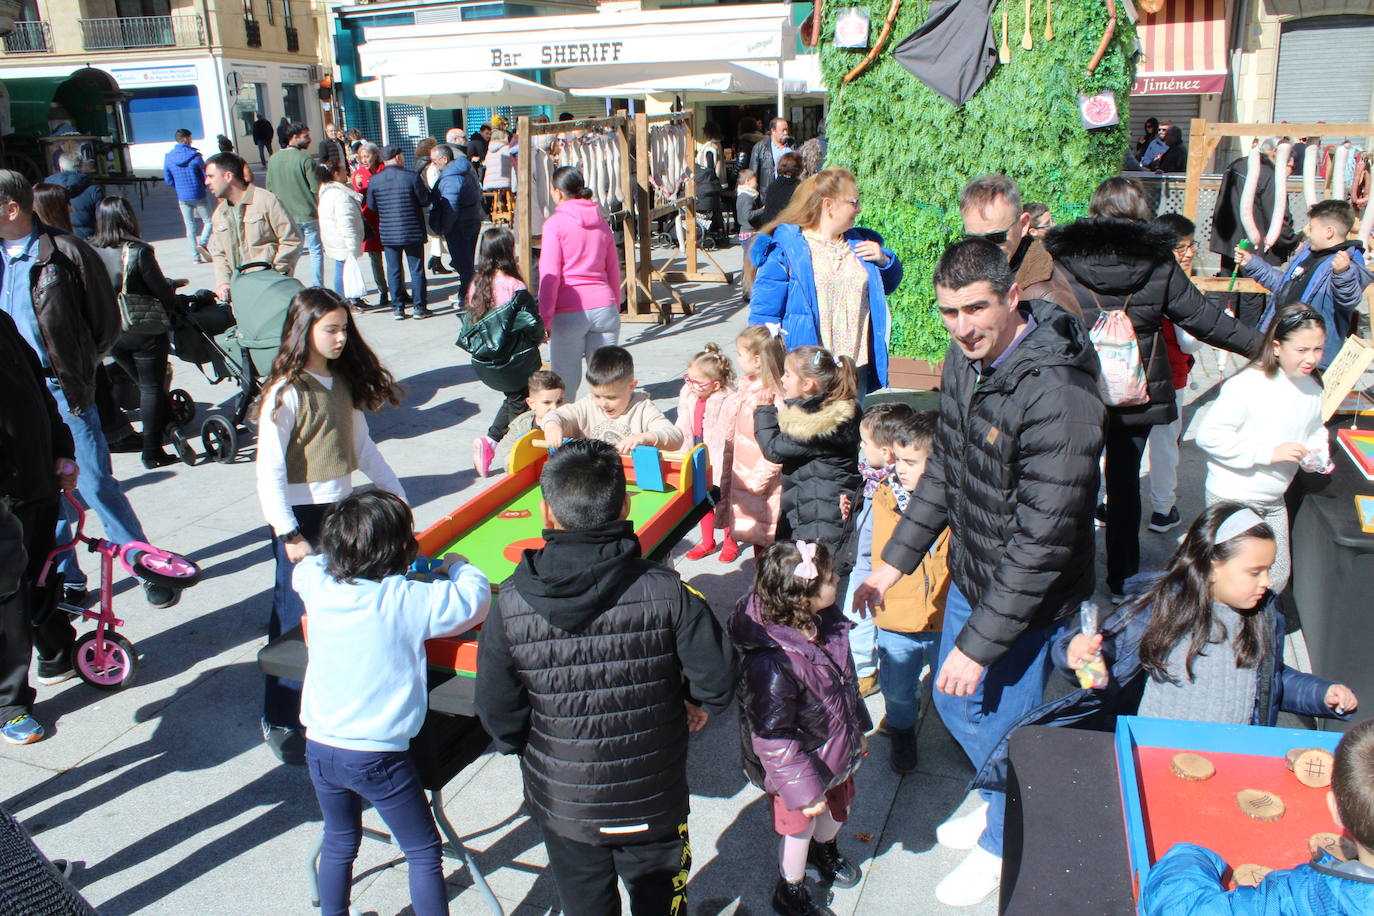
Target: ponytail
<point>836,377</point>
<point>717,365</point>
<point>569,180</point>
<point>768,347</point>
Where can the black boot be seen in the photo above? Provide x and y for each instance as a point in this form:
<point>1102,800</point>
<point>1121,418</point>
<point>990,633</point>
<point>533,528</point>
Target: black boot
<point>833,867</point>
<point>436,266</point>
<point>793,900</point>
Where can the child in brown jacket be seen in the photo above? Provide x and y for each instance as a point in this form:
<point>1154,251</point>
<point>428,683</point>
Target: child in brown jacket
<point>913,609</point>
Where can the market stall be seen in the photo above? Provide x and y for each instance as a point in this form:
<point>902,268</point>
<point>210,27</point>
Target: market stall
<point>79,113</point>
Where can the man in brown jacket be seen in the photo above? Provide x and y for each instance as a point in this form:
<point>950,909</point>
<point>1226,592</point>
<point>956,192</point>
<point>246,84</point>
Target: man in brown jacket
<point>248,225</point>
<point>991,209</point>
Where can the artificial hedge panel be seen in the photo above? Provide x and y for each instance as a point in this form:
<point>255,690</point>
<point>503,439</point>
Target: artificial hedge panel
<point>913,151</point>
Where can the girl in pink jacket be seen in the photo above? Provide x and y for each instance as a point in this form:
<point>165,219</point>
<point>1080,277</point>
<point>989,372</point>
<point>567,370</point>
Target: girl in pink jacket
<point>579,279</point>
<point>706,386</point>
<point>750,485</point>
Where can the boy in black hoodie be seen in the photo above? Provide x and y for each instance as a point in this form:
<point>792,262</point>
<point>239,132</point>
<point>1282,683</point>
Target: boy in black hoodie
<point>594,665</point>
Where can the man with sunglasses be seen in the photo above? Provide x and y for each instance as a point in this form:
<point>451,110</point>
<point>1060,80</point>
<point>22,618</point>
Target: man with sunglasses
<point>991,209</point>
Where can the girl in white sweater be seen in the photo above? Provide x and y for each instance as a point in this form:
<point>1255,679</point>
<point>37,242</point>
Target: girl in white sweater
<point>1266,422</point>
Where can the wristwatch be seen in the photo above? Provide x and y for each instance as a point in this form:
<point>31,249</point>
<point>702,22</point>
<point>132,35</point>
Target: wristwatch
<point>291,535</point>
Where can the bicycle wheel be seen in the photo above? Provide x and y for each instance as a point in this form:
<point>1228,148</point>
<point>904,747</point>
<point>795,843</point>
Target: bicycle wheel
<point>115,670</point>
<point>163,568</point>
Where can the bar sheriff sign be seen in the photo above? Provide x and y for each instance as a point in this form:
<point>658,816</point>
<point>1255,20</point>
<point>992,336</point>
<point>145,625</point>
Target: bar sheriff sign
<point>559,54</point>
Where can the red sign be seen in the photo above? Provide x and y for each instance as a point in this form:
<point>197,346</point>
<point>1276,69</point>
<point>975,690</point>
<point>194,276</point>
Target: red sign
<point>1178,84</point>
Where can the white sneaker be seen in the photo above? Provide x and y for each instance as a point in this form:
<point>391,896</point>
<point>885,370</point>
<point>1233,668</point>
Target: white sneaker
<point>972,880</point>
<point>963,832</point>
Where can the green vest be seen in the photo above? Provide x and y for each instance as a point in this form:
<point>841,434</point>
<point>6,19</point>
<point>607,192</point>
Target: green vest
<point>321,444</point>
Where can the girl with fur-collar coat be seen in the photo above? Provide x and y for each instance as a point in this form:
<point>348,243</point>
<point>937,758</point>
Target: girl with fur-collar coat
<point>816,440</point>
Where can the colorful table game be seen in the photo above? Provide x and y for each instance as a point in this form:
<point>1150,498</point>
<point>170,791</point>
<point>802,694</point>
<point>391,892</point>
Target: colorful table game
<point>1162,808</point>
<point>494,528</point>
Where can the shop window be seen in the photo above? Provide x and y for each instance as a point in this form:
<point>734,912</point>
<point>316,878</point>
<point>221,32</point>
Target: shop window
<point>155,114</point>
<point>293,102</point>
<point>250,100</point>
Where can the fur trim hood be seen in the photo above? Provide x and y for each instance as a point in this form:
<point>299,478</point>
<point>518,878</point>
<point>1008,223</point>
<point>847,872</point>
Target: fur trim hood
<point>1109,255</point>
<point>808,419</point>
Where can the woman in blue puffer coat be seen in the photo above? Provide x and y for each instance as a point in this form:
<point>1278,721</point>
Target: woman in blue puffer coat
<point>825,281</point>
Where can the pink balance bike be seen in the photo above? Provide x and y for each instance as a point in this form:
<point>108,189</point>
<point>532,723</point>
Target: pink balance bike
<point>102,657</point>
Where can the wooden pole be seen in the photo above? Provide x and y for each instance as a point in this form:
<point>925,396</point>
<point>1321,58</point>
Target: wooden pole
<point>1197,161</point>
<point>524,200</point>
<point>689,155</point>
<point>629,235</point>
<point>643,203</point>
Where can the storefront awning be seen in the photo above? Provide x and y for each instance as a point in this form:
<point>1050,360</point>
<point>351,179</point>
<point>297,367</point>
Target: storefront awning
<point>693,78</point>
<point>1183,49</point>
<point>81,94</point>
<point>462,89</point>
<point>649,38</point>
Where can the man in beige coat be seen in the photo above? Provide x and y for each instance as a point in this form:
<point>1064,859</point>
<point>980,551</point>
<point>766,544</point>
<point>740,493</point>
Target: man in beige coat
<point>248,225</point>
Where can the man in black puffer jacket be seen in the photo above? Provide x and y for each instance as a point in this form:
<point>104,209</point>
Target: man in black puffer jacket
<point>1013,475</point>
<point>594,665</point>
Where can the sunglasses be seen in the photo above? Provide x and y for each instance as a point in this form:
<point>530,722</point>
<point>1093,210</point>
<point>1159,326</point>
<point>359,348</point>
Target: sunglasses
<point>997,238</point>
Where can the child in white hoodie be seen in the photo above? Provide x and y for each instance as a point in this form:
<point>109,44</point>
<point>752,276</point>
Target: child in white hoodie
<point>1266,422</point>
<point>365,693</point>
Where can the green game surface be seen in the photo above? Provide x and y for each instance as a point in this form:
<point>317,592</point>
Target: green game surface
<point>485,543</point>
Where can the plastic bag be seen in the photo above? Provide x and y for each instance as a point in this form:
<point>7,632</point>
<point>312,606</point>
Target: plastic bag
<point>354,286</point>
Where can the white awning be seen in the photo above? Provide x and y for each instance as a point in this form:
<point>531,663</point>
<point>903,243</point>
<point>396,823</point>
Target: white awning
<point>650,38</point>
<point>459,89</point>
<point>694,77</point>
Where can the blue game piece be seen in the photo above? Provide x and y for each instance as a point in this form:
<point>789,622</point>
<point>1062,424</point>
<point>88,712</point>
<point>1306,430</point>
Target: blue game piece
<point>648,469</point>
<point>699,478</point>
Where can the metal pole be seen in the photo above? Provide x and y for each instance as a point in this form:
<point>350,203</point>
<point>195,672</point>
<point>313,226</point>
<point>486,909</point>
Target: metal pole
<point>780,90</point>
<point>381,99</point>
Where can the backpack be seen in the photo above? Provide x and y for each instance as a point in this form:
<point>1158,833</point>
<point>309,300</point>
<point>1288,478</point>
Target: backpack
<point>1122,380</point>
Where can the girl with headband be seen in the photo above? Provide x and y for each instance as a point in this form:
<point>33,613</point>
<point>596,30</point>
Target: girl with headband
<point>804,716</point>
<point>1208,634</point>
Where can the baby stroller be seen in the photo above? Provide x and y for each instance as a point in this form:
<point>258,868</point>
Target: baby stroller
<point>237,343</point>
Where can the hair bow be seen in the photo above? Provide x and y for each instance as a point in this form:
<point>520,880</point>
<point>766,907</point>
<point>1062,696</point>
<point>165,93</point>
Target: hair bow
<point>806,569</point>
<point>774,328</point>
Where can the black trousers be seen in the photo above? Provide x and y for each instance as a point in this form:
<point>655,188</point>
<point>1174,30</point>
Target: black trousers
<point>513,406</point>
<point>655,874</point>
<point>52,632</point>
<point>144,358</point>
<point>1125,448</point>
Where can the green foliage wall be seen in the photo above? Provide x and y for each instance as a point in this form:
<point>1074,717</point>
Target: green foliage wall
<point>913,151</point>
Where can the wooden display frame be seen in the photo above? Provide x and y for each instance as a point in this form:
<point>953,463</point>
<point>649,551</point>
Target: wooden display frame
<point>1203,138</point>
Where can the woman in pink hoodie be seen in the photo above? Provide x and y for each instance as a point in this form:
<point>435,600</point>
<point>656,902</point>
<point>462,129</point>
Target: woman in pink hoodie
<point>579,279</point>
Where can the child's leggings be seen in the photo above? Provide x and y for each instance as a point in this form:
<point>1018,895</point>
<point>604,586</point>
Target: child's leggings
<point>792,854</point>
<point>389,780</point>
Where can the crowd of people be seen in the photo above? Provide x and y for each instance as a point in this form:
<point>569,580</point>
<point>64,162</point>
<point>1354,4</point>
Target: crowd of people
<point>883,540</point>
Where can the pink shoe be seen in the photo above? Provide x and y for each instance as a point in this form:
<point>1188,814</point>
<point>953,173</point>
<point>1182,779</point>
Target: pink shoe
<point>483,451</point>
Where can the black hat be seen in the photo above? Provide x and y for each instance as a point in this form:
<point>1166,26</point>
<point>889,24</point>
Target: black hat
<point>390,151</point>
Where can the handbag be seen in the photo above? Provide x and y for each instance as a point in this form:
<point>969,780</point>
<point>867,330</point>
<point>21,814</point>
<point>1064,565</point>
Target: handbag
<point>139,313</point>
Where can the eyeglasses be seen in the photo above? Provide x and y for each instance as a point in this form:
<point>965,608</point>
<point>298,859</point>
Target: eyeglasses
<point>997,238</point>
<point>852,200</point>
<point>698,385</point>
<point>1187,246</point>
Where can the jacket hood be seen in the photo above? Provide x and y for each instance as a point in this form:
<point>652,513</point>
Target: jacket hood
<point>1035,265</point>
<point>182,155</point>
<point>584,213</point>
<point>457,167</point>
<point>807,419</point>
<point>1113,256</point>
<point>749,631</point>
<point>578,575</point>
<point>1059,339</point>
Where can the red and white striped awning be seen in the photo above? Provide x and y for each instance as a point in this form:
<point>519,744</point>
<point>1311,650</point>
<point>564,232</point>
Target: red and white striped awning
<point>1184,49</point>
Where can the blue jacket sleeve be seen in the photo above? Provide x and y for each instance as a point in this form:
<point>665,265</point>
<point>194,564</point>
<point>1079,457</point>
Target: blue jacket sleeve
<point>167,178</point>
<point>198,170</point>
<point>892,273</point>
<point>1304,694</point>
<point>1347,288</point>
<point>1264,273</point>
<point>1188,880</point>
<point>769,298</point>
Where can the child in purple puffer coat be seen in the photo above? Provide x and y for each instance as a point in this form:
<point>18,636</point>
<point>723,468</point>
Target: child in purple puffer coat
<point>802,718</point>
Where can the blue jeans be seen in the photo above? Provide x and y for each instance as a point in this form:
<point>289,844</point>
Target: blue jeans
<point>281,704</point>
<point>901,656</point>
<point>389,780</point>
<point>310,235</point>
<point>1011,687</point>
<point>336,276</point>
<point>192,210</point>
<point>415,263</point>
<point>98,487</point>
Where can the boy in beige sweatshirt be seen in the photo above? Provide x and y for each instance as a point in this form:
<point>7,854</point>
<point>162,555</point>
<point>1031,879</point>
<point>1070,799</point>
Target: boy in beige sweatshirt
<point>614,411</point>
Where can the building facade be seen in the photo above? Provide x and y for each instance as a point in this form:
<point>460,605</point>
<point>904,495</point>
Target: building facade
<point>204,65</point>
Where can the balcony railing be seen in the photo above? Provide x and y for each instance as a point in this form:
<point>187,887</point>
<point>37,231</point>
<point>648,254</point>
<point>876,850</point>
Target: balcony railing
<point>142,32</point>
<point>252,33</point>
<point>32,37</point>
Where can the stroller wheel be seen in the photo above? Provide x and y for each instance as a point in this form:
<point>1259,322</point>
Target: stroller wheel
<point>112,670</point>
<point>183,406</point>
<point>219,440</point>
<point>184,449</point>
